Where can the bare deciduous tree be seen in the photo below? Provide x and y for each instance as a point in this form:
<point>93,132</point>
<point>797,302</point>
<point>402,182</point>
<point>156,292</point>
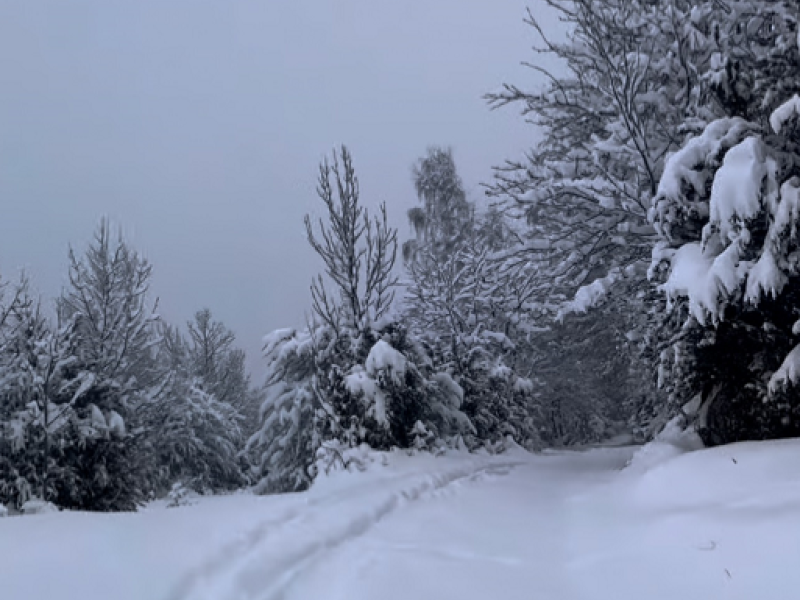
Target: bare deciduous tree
<point>108,297</point>
<point>359,251</point>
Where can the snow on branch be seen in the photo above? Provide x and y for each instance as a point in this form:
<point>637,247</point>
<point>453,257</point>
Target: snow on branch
<point>736,190</point>
<point>785,112</point>
<point>788,373</point>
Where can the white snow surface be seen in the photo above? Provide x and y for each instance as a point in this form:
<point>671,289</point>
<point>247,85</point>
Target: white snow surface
<point>704,524</point>
<point>38,507</point>
<point>784,112</point>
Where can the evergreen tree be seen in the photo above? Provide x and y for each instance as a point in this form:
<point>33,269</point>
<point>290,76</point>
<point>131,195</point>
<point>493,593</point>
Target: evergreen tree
<point>287,441</point>
<point>354,375</point>
<point>115,349</point>
<point>725,217</point>
<point>469,312</point>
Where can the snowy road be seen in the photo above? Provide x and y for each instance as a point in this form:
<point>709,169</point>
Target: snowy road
<point>505,533</point>
<point>464,532</point>
<point>715,524</point>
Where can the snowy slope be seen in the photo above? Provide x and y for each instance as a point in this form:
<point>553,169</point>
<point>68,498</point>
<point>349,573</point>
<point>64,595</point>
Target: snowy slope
<point>720,523</point>
<point>704,525</point>
<point>73,555</point>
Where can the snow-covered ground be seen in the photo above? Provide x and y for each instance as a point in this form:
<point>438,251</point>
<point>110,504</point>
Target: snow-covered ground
<point>722,523</point>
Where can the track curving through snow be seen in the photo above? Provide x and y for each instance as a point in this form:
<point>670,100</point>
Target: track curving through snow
<point>270,560</point>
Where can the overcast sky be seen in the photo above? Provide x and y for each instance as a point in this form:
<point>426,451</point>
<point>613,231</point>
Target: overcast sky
<point>198,126</point>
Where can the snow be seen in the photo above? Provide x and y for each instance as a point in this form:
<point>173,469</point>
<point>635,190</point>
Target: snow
<point>565,525</point>
<point>382,357</point>
<point>784,112</point>
<point>589,296</point>
<point>788,373</point>
<point>765,278</point>
<point>787,214</point>
<point>360,382</point>
<point>38,507</point>
<point>736,190</point>
<point>98,421</point>
<point>690,276</point>
<point>745,187</point>
<point>681,166</point>
<point>671,442</point>
<point>116,424</point>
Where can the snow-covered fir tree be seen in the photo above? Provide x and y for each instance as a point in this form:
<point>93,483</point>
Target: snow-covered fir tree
<point>727,212</point>
<point>354,375</point>
<point>32,361</point>
<point>463,307</point>
<point>195,437</point>
<point>219,367</point>
<point>115,346</point>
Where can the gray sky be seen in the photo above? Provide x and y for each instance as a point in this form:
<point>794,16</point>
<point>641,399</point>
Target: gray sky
<point>198,127</point>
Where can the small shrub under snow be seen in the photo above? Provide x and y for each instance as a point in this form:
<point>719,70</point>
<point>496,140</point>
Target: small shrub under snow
<point>179,495</point>
<point>335,456</point>
<point>38,507</point>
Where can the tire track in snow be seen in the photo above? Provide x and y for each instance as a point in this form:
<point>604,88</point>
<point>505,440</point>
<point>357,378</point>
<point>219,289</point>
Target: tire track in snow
<point>234,551</point>
<point>263,564</point>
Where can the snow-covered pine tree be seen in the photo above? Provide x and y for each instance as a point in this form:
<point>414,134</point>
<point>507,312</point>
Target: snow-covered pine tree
<point>220,367</point>
<point>359,401</point>
<point>115,347</point>
<point>753,55</point>
<point>194,437</point>
<point>286,443</point>
<point>727,214</point>
<point>392,385</point>
<point>215,361</point>
<point>39,389</point>
<point>463,306</point>
<point>354,375</point>
<point>306,368</point>
<point>359,252</point>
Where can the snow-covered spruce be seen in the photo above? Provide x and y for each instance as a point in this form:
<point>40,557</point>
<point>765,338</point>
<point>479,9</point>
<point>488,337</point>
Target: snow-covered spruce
<point>728,212</point>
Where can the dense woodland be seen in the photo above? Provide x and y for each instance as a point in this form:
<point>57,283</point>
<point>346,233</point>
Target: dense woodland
<point>638,265</point>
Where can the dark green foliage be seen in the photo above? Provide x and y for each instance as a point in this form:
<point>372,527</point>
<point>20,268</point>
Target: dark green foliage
<point>727,368</point>
<point>719,359</point>
<point>100,474</point>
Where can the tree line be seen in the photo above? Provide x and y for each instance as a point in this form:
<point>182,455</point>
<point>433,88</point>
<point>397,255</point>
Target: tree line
<point>637,266</point>
<point>103,405</point>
